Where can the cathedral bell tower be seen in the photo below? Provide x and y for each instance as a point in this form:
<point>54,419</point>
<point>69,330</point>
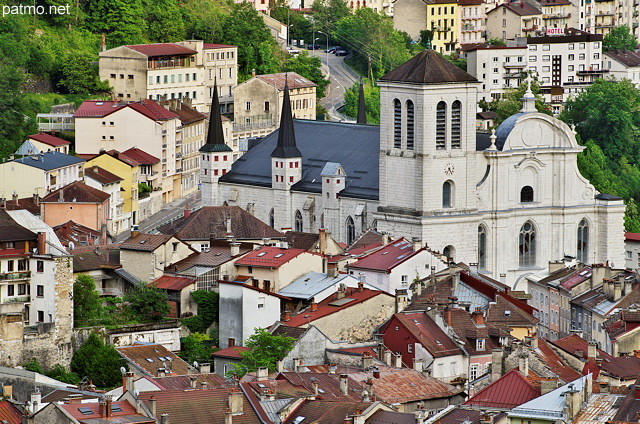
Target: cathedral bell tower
<point>215,155</point>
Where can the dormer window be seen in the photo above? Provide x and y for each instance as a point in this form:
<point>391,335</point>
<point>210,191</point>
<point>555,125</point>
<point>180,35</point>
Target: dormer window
<point>480,344</point>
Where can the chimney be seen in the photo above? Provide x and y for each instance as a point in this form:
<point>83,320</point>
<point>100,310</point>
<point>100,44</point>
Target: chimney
<point>332,368</point>
<point>235,249</point>
<point>617,291</point>
<point>628,286</point>
<point>279,365</point>
<point>164,418</point>
<point>367,360</point>
<point>203,385</point>
<point>447,315</point>
<point>332,271</point>
<point>496,364</point>
<point>127,382</point>
<point>3,202</point>
<point>344,384</point>
<point>523,364</point>
<point>205,368</point>
<point>193,381</point>
<point>385,239</point>
<point>419,416</point>
<point>297,364</point>
<point>548,385</point>
<point>313,307</point>
<point>228,418</point>
<point>418,288</point>
<point>61,195</point>
<point>322,240</point>
<point>636,391</point>
<point>417,244</point>
<point>418,364</point>
<point>253,72</point>
<point>365,396</point>
<point>235,401</point>
<point>231,342</point>
<point>286,316</point>
<point>262,373</point>
<point>368,386</point>
<point>161,372</point>
<point>360,286</point>
<point>397,361</point>
<point>598,273</point>
<point>36,399</point>
<point>592,351</point>
<point>134,231</point>
<point>103,44</point>
<point>387,357</point>
<point>152,405</point>
<point>376,373</point>
<point>108,402</point>
<point>402,300</point>
<point>229,232</point>
<point>315,388</point>
<point>478,316</point>
<point>42,243</point>
<point>187,212</point>
<point>340,293</point>
<point>7,391</point>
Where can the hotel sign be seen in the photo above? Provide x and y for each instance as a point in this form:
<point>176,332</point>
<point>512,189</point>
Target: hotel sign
<point>555,31</point>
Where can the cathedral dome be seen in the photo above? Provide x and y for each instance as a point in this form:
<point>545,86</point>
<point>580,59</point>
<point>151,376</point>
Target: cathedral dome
<point>504,129</point>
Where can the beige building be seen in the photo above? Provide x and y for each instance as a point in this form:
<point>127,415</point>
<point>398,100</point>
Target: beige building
<point>146,255</point>
<point>472,18</point>
<point>171,71</point>
<point>259,103</point>
<point>510,20</point>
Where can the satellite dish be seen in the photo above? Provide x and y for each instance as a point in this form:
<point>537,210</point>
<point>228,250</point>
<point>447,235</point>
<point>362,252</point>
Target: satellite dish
<point>123,370</point>
<point>195,364</point>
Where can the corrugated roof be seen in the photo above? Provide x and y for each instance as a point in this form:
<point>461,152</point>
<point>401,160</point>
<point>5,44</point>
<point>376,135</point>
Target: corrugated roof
<point>49,139</point>
<point>509,391</point>
<point>36,225</point>
<point>600,408</point>
<point>49,160</point>
<point>76,192</point>
<point>319,143</point>
<point>167,282</point>
<point>550,406</point>
<point>309,285</point>
<point>428,67</point>
<point>162,49</point>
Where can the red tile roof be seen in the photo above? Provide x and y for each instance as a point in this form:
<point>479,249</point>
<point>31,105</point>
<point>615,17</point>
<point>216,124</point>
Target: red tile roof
<point>574,343</point>
<point>100,109</point>
<point>270,257</point>
<point>152,110</point>
<point>145,242</point>
<point>9,413</point>
<point>127,410</point>
<point>27,203</point>
<point>632,236</point>
<point>326,412</point>
<point>509,391</point>
<point>250,287</point>
<point>77,192</point>
<point>215,46</point>
<point>101,175</point>
<point>428,333</point>
<point>555,363</point>
<point>183,382</point>
<point>325,308</point>
<point>162,49</point>
<point>167,282</point>
<point>388,257</point>
<point>49,139</point>
<point>231,352</point>
<point>140,156</point>
<point>140,354</point>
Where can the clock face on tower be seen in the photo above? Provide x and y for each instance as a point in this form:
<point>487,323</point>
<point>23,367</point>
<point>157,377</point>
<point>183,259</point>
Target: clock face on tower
<point>448,169</point>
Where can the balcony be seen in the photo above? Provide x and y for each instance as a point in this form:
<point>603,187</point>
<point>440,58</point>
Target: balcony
<point>174,62</point>
<point>592,72</point>
<point>604,13</point>
<point>178,170</point>
<point>15,276</point>
<point>533,28</point>
<point>510,65</point>
<point>178,155</point>
<point>253,125</point>
<point>454,379</point>
<point>515,75</point>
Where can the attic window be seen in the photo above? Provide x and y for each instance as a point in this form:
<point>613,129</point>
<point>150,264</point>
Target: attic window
<point>85,411</point>
<point>507,313</point>
<point>438,342</point>
<point>385,253</point>
<point>162,358</point>
<point>262,386</point>
<point>415,321</point>
<point>279,255</point>
<point>262,253</point>
<point>397,244</point>
<point>298,420</point>
<point>400,257</point>
<point>143,242</point>
<point>99,103</point>
<point>320,390</point>
<point>116,408</point>
<point>150,360</point>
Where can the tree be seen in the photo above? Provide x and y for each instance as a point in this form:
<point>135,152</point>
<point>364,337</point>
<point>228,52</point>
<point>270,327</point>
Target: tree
<point>87,308</point>
<point>193,348</point>
<point>309,67</point>
<point>164,20</point>
<point>120,20</point>
<point>264,350</point>
<point>207,311</point>
<point>14,123</point>
<point>511,102</point>
<point>496,42</point>
<point>34,366</point>
<point>98,362</point>
<point>60,373</point>
<point>147,303</point>
<point>619,38</point>
<point>327,13</point>
<point>371,101</point>
<point>79,75</point>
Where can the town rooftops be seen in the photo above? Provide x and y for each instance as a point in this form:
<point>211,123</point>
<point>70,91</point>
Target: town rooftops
<point>187,115</point>
<point>216,255</point>
<point>183,382</point>
<point>509,391</point>
<point>311,284</point>
<point>232,352</point>
<point>521,8</point>
<point>331,305</point>
<point>9,414</point>
<point>210,222</point>
<point>293,80</point>
<point>550,406</point>
<point>100,257</point>
<point>76,192</point>
<point>426,332</point>
<point>78,234</point>
<point>101,175</point>
<point>269,257</point>
<point>600,408</point>
<point>628,58</point>
<point>505,313</point>
<point>145,242</point>
<point>570,35</point>
<point>162,49</point>
<point>556,364</point>
<point>287,331</point>
<point>103,108</point>
<point>388,257</point>
<point>32,204</point>
<point>630,407</point>
<point>122,412</point>
<point>49,139</point>
<point>326,411</point>
<point>49,161</point>
<point>140,156</point>
<point>428,67</point>
<point>167,282</point>
<point>150,357</point>
<point>555,2</point>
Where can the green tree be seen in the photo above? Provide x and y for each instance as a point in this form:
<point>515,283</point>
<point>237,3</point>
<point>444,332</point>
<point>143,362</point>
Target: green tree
<point>164,21</point>
<point>309,67</point>
<point>34,366</point>
<point>371,101</point>
<point>207,311</point>
<point>121,20</point>
<point>264,350</point>
<point>327,13</point>
<point>619,38</point>
<point>496,42</point>
<point>147,303</point>
<point>87,308</point>
<point>193,348</point>
<point>98,362</point>
<point>79,75</point>
<point>511,102</point>
<point>14,123</point>
<point>60,373</point>
<point>204,19</point>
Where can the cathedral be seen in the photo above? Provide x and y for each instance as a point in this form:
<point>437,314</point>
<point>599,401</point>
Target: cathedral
<point>509,202</point>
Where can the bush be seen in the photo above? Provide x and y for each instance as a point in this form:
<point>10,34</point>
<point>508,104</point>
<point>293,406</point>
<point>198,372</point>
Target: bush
<point>98,362</point>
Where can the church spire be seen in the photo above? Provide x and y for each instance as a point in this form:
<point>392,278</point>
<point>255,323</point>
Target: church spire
<point>215,135</point>
<point>362,113</point>
<point>286,147</point>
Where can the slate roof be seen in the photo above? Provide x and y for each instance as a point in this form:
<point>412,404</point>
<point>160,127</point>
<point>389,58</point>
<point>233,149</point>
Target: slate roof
<point>509,391</point>
<point>9,414</point>
<point>293,79</point>
<point>76,192</point>
<point>139,353</point>
<point>162,49</point>
<point>49,161</point>
<point>232,352</point>
<point>102,108</point>
<point>215,134</point>
<point>319,143</point>
<point>505,128</point>
<point>49,139</point>
<point>199,406</point>
<point>167,282</point>
<point>101,175</point>
<point>325,308</point>
<point>269,257</point>
<point>388,257</point>
<point>145,242</point>
<point>428,67</point>
<point>300,240</point>
<point>626,57</point>
<point>210,221</point>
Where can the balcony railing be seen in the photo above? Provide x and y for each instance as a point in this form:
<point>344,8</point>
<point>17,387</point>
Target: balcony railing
<point>253,125</point>
<point>514,64</point>
<point>592,72</point>
<point>12,276</point>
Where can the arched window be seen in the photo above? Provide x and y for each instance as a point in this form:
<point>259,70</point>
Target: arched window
<point>441,126</point>
<point>583,241</point>
<point>272,219</point>
<point>447,194</point>
<point>456,120</point>
<point>526,194</point>
<point>410,125</point>
<point>397,124</point>
<point>482,247</point>
<point>527,245</point>
<point>351,231</point>
<point>450,253</point>
<point>374,225</point>
<point>298,221</point>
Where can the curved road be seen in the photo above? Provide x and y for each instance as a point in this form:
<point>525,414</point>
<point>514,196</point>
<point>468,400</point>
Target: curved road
<point>340,79</point>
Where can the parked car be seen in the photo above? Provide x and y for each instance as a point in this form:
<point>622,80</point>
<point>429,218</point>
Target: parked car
<point>341,52</point>
<point>313,46</point>
<point>332,49</point>
<point>293,50</point>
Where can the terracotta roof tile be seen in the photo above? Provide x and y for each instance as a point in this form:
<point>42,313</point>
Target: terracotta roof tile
<point>388,257</point>
<point>427,333</point>
<point>631,236</point>
<point>126,410</point>
<point>167,282</point>
<point>509,391</point>
<point>218,253</point>
<point>629,409</point>
<point>59,395</point>
<point>466,328</point>
<point>78,234</point>
<point>140,156</point>
<point>26,203</point>
<point>150,357</point>
<point>9,413</point>
<point>504,313</point>
<point>145,242</point>
<point>186,114</point>
<point>183,382</point>
<point>100,109</point>
<point>231,352</point>
<point>162,49</point>
<point>269,257</point>
<point>294,80</point>
<point>101,175</point>
<point>326,412</point>
<point>555,363</point>
<point>49,139</point>
<point>76,192</point>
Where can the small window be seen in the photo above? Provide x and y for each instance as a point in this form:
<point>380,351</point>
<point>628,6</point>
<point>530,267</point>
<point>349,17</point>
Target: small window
<point>410,348</point>
<point>248,106</point>
<point>446,194</point>
<point>266,106</point>
<point>130,76</point>
<point>526,194</point>
<point>480,344</point>
<point>11,290</point>
<point>40,290</point>
<point>22,289</point>
<point>40,265</point>
<point>40,316</point>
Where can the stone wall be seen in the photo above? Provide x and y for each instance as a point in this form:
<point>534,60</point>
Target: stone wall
<point>149,205</point>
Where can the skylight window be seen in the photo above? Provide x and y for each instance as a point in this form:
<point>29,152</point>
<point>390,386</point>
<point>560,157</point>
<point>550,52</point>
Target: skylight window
<point>85,411</point>
<point>279,255</point>
<point>116,408</point>
<point>400,257</point>
<point>262,253</point>
<point>298,420</point>
<point>507,313</point>
<point>262,386</point>
<point>150,360</point>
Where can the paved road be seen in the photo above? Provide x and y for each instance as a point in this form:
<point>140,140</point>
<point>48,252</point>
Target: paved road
<point>340,78</point>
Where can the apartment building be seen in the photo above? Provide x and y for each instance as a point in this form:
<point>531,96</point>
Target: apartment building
<point>168,71</point>
<point>443,20</point>
<point>472,18</point>
<point>559,14</point>
<point>510,20</point>
<point>623,64</point>
<point>499,68</point>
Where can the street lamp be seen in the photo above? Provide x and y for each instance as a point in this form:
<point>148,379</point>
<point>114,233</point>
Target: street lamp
<point>327,49</point>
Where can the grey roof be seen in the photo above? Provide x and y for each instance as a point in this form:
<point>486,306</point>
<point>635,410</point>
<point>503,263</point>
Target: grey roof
<point>49,160</point>
<point>319,143</point>
<point>27,148</point>
<point>330,169</point>
<point>309,285</point>
<point>29,221</point>
<point>549,406</point>
<point>127,276</point>
<point>503,131</point>
<point>474,298</point>
<point>271,407</point>
<point>286,147</point>
<point>605,196</point>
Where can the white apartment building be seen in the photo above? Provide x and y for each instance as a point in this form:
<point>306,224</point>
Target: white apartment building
<point>168,71</point>
<point>498,68</point>
<point>623,64</point>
